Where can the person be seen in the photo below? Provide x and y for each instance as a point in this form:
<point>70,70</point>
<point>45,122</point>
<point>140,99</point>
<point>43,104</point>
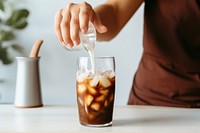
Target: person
<point>169,71</point>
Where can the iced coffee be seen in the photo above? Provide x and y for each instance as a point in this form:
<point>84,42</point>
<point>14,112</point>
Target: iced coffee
<point>95,96</point>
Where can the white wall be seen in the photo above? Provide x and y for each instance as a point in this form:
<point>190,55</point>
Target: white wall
<point>58,66</point>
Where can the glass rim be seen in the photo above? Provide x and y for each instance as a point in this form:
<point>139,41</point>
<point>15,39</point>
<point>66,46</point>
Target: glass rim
<point>97,57</point>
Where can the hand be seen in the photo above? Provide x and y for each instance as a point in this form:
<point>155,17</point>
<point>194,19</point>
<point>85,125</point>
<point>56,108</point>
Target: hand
<point>74,18</point>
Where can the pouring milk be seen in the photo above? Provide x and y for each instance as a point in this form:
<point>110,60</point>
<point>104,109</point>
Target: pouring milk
<point>88,41</point>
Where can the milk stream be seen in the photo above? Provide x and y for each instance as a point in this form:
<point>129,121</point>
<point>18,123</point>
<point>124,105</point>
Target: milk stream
<point>88,41</point>
<point>90,49</point>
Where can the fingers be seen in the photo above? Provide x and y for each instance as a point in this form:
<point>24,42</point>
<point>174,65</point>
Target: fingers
<point>84,16</point>
<point>74,18</point>
<point>65,27</point>
<point>74,27</point>
<point>87,14</point>
<point>98,24</point>
<point>61,27</point>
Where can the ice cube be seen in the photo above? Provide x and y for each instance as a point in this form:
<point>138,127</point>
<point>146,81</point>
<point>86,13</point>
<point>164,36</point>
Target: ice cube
<point>91,116</point>
<point>108,73</point>
<point>111,74</point>
<point>106,103</point>
<point>90,74</point>
<point>81,88</point>
<point>94,82</point>
<point>104,91</point>
<point>111,98</point>
<point>92,90</point>
<point>81,76</point>
<point>105,82</point>
<point>95,106</point>
<point>89,100</point>
<point>100,71</point>
<point>100,98</point>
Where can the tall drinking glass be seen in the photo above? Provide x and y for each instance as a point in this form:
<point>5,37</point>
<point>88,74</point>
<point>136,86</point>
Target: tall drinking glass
<point>95,90</point>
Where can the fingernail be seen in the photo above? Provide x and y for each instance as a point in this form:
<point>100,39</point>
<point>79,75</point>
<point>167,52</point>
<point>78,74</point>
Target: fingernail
<point>75,42</point>
<point>70,45</point>
<point>83,31</point>
<point>104,28</point>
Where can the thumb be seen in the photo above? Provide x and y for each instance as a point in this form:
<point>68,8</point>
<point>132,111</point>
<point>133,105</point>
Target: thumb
<point>99,25</point>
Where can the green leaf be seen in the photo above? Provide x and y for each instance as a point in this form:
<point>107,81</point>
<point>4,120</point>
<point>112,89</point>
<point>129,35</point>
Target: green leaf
<point>18,18</point>
<point>4,56</point>
<point>21,24</point>
<point>17,48</point>
<point>6,35</point>
<point>1,5</point>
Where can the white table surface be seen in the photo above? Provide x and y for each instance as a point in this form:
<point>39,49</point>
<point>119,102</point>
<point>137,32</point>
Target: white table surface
<point>127,119</point>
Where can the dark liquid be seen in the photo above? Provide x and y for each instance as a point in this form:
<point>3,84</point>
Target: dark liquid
<point>95,104</point>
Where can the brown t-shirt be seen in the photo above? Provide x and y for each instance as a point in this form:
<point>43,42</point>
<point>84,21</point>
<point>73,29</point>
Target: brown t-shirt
<point>169,71</point>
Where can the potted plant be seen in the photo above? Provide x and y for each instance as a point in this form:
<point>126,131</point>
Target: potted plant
<point>12,19</point>
<point>10,22</point>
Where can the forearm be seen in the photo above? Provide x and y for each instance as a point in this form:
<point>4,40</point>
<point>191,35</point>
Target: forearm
<point>114,14</point>
<point>108,18</point>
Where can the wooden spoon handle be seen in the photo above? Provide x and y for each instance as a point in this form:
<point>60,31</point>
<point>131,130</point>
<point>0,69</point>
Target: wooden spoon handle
<point>35,49</point>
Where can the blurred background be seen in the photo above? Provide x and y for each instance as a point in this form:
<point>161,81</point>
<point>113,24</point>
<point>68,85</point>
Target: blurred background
<point>58,66</point>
